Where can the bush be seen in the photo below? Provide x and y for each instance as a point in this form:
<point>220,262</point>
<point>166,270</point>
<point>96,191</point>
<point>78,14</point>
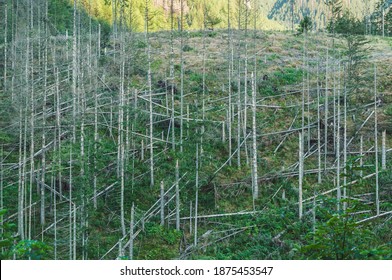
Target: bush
<point>23,249</point>
<point>305,25</point>
<point>341,238</point>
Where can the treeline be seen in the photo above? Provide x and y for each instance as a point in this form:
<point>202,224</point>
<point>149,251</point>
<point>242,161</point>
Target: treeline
<point>271,14</point>
<point>186,14</point>
<point>375,16</point>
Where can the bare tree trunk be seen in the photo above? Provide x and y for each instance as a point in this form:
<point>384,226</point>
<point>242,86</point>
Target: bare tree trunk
<point>74,232</point>
<point>187,122</point>
<point>318,128</point>
<point>114,17</point>
<point>301,137</point>
<point>99,40</point>
<point>5,45</point>
<point>255,186</point>
<point>196,196</point>
<point>292,15</point>
<point>308,98</point>
<point>21,170</point>
<point>55,219</point>
<point>67,52</point>
<point>383,149</point>
<point>43,159</point>
<point>24,167</point>
<point>121,142</point>
<point>150,98</point>
<point>339,191</point>
<point>223,131</point>
<point>111,120</point>
<point>74,74</point>
<point>131,232</point>
<point>142,150</point>
<point>190,217</point>
<point>376,141</point>
<point>43,162</point>
<point>20,173</point>
<point>303,89</point>
<point>182,78</point>
<point>383,22</point>
<point>334,110</point>
<point>345,148</point>
<point>95,137</point>
<point>71,208</point>
<point>239,117</point>
<point>32,119</point>
<point>162,204</point>
<point>177,197</point>
<point>58,120</point>
<point>229,60</point>
<point>1,191</point>
<point>83,211</point>
<point>15,31</point>
<point>172,74</point>
<point>361,157</point>
<point>133,163</point>
<point>245,114</point>
<point>301,172</point>
<point>203,109</point>
<point>326,114</point>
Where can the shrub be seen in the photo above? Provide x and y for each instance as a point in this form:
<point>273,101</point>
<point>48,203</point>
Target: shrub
<point>305,25</point>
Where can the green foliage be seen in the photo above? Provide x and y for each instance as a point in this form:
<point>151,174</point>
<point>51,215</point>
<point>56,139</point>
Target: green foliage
<point>23,249</point>
<point>163,242</point>
<point>60,13</point>
<point>7,237</point>
<point>388,111</point>
<point>288,76</point>
<point>31,250</point>
<point>346,24</point>
<point>353,31</point>
<point>187,48</point>
<point>335,7</point>
<point>339,237</point>
<point>355,57</point>
<point>305,25</point>
<point>212,17</point>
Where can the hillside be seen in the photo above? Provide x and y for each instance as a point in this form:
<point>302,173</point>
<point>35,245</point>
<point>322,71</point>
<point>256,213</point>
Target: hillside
<point>273,14</point>
<point>211,144</point>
